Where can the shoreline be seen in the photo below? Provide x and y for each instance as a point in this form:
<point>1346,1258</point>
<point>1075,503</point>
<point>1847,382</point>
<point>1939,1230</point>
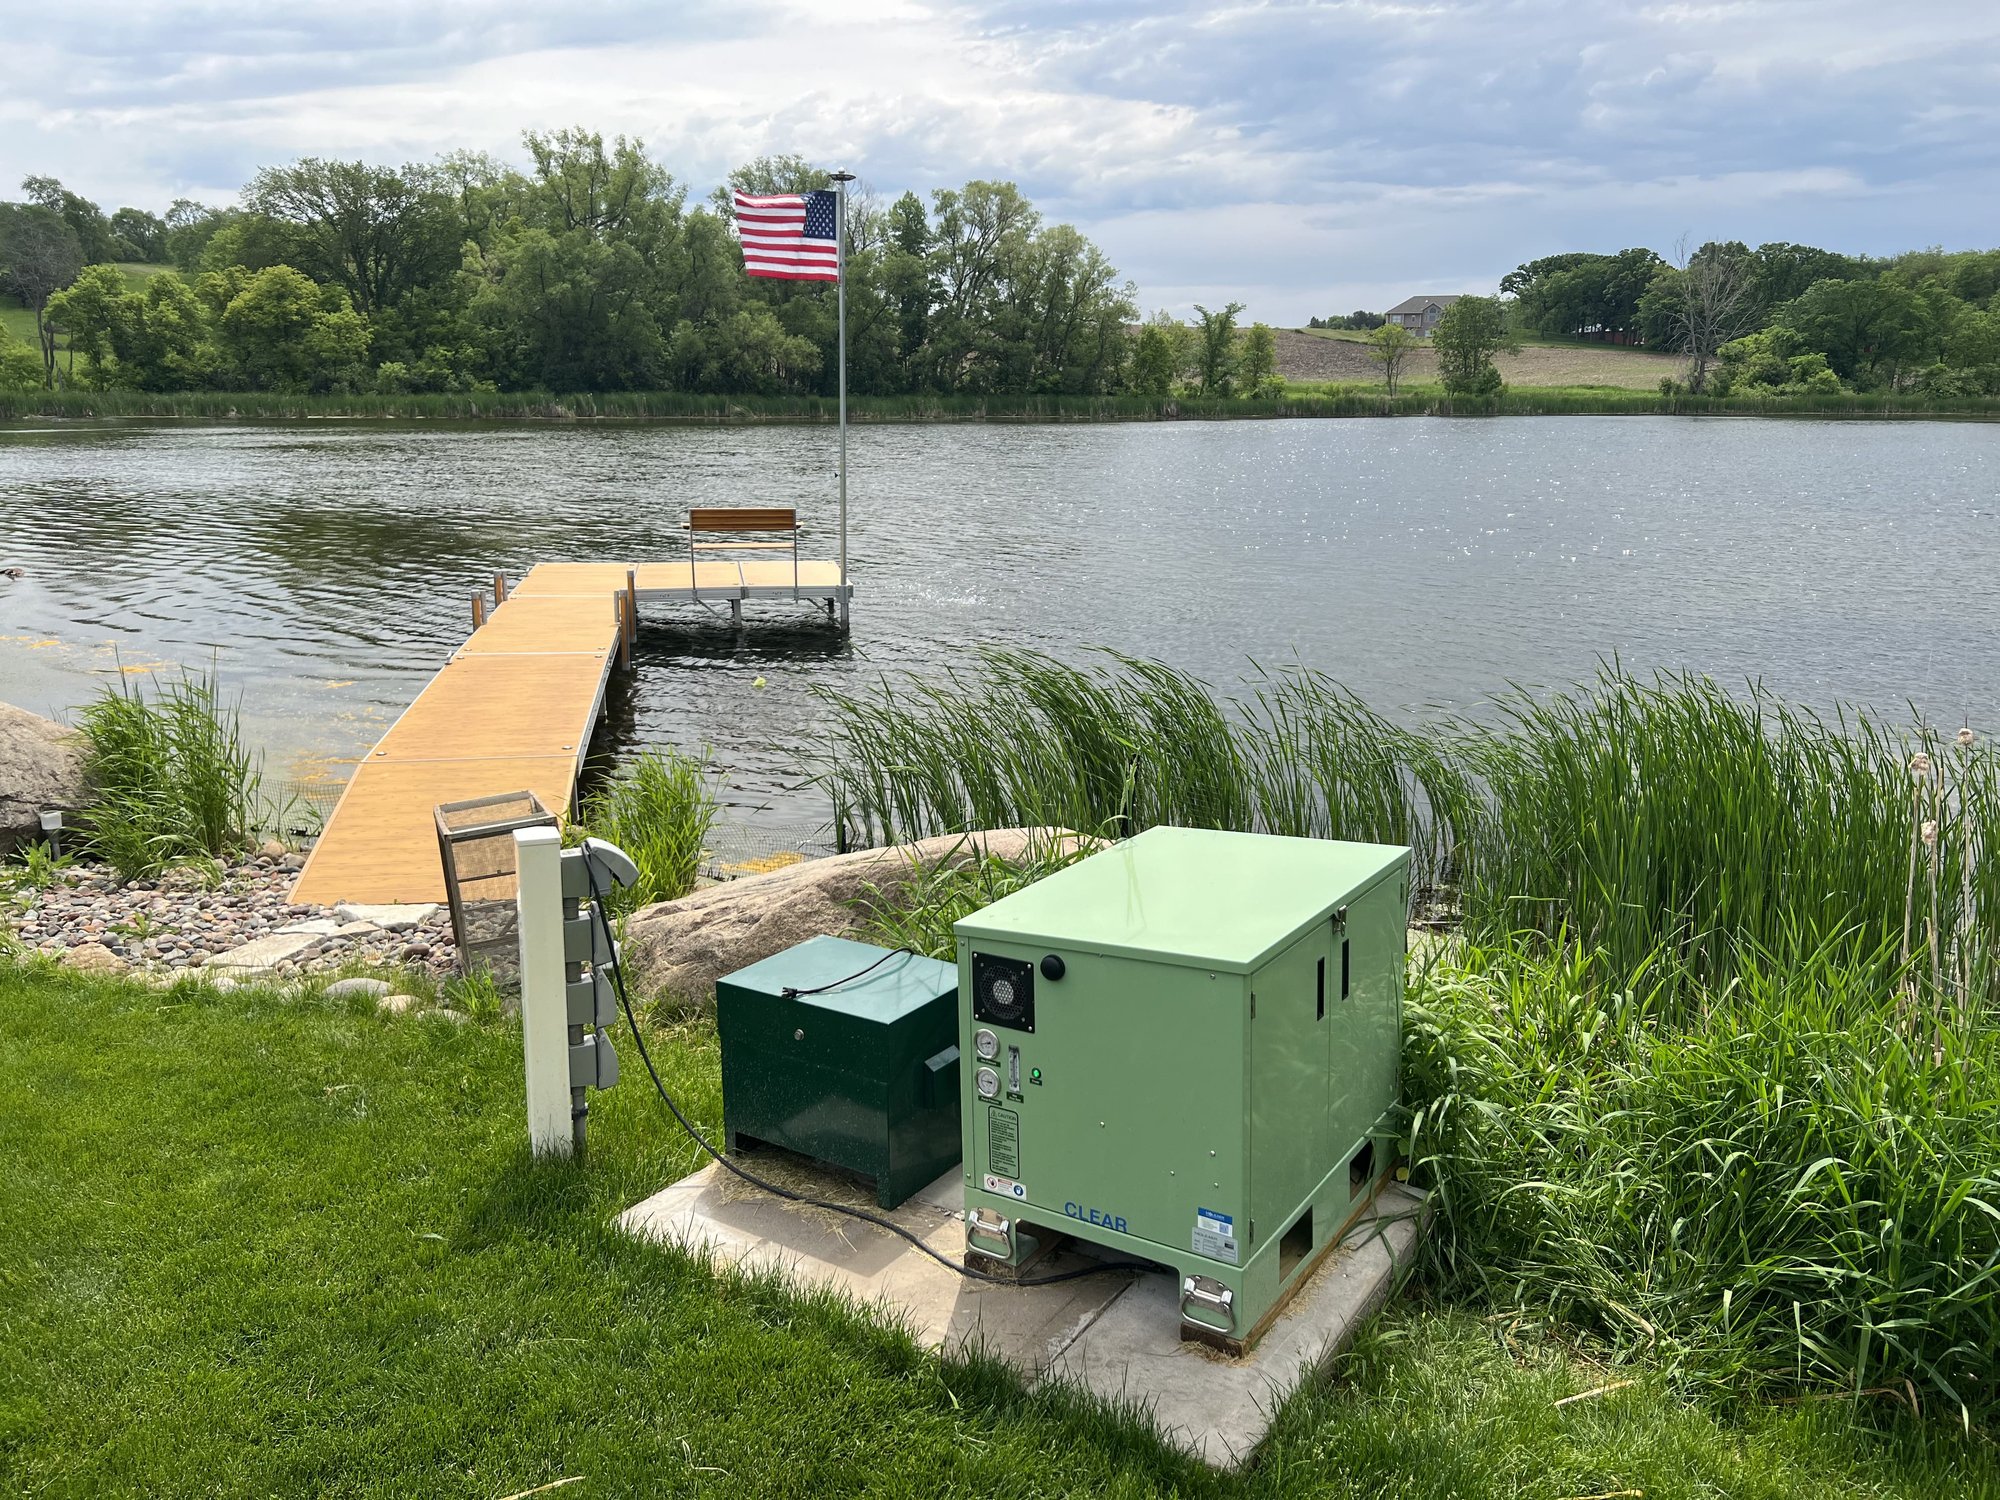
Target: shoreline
<point>668,407</point>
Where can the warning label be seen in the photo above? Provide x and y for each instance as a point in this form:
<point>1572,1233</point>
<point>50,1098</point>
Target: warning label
<point>1214,1235</point>
<point>1006,1187</point>
<point>1003,1141</point>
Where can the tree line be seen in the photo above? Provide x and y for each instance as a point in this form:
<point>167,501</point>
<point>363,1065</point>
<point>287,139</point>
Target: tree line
<point>588,271</point>
<point>1781,319</point>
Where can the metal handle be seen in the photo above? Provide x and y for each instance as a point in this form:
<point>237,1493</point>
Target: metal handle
<point>993,1226</point>
<point>1208,1293</point>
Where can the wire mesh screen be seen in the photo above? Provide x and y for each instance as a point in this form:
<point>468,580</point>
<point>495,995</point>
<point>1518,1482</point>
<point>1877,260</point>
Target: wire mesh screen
<point>476,845</point>
<point>735,849</point>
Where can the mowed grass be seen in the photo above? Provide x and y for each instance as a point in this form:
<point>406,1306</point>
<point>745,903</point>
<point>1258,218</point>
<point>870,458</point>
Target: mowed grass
<point>281,1246</point>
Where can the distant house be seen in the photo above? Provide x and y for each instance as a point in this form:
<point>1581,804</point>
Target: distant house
<point>1419,314</point>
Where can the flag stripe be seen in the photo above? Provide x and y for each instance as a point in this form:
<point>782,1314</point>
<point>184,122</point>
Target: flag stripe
<point>789,236</point>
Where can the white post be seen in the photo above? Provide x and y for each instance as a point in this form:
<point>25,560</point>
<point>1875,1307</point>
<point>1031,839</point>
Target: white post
<point>841,179</point>
<point>544,992</point>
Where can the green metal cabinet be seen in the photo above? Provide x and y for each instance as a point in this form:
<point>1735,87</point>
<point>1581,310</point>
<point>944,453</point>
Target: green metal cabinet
<point>1186,1047</point>
<point>862,1076</point>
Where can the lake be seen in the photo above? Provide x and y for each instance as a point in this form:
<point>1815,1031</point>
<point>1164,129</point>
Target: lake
<point>327,567</point>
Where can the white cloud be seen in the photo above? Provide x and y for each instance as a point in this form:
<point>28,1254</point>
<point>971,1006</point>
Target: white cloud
<point>1304,156</point>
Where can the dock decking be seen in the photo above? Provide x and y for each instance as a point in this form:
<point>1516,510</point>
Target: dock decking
<point>513,710</point>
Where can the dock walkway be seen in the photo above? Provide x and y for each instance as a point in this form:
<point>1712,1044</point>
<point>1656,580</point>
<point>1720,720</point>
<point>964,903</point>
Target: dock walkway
<point>513,710</point>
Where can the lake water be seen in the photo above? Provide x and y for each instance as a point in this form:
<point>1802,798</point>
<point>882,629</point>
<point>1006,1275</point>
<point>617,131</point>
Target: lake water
<point>327,568</point>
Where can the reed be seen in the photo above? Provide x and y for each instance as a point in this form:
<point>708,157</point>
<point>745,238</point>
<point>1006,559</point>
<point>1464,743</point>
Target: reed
<point>659,809</point>
<point>1332,400</point>
<point>1630,815</point>
<point>170,776</point>
<point>1774,1187</point>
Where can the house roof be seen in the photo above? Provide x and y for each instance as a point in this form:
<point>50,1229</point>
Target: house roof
<point>1418,304</point>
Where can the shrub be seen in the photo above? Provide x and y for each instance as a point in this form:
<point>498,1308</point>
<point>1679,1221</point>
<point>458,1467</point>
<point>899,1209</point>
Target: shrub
<point>659,810</point>
<point>170,778</point>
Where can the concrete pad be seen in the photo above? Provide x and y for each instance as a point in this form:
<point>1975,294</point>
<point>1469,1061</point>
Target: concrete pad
<point>390,917</point>
<point>1117,1335</point>
<point>260,954</point>
<point>313,926</point>
<point>1220,1408</point>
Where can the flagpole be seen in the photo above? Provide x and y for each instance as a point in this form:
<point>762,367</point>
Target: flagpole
<point>841,180</point>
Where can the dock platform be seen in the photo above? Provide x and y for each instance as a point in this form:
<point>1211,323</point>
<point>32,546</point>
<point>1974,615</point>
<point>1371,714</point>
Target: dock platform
<point>514,710</point>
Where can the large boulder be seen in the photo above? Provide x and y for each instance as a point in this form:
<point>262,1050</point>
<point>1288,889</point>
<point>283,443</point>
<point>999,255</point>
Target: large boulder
<point>41,766</point>
<point>682,947</point>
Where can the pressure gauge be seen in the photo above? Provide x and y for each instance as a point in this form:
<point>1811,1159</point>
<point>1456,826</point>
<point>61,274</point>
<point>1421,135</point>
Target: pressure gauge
<point>987,1081</point>
<point>986,1044</point>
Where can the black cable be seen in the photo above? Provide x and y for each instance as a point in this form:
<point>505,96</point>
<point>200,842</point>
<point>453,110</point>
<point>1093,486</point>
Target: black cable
<point>866,1217</point>
<point>792,992</point>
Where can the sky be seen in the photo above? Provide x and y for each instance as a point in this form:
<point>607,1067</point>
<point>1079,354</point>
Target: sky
<point>1299,157</point>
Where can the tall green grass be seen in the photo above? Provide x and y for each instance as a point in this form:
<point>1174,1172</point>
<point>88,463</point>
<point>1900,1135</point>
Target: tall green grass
<point>170,776</point>
<point>659,809</point>
<point>1628,815</point>
<point>1774,1183</point>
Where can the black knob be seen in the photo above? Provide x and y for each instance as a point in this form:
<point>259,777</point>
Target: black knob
<point>1053,967</point>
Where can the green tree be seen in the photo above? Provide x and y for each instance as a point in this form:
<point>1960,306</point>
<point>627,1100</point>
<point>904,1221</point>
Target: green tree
<point>1390,346</point>
<point>1160,355</point>
<point>39,256</point>
<point>85,219</point>
<point>381,233</point>
<point>282,332</point>
<point>1468,335</point>
<point>20,366</point>
<point>166,333</point>
<point>92,311</point>
<point>1257,361</point>
<point>1866,329</point>
<point>1215,348</point>
<point>145,233</point>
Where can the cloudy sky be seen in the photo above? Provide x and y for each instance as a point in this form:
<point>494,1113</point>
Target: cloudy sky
<point>1299,157</point>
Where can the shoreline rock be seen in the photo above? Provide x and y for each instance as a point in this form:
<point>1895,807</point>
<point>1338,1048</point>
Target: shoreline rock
<point>41,766</point>
<point>682,947</point>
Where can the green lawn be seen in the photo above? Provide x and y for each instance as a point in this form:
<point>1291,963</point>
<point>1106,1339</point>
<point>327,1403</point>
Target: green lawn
<point>259,1245</point>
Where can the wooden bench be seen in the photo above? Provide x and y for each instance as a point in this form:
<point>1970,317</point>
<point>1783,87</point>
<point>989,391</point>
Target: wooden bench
<point>747,528</point>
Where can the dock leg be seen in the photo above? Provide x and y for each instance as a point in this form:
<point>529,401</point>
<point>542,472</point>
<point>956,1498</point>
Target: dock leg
<point>843,616</point>
<point>736,613</point>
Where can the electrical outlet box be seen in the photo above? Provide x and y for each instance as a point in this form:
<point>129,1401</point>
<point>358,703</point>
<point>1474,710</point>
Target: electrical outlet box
<point>1186,1047</point>
<point>862,1076</point>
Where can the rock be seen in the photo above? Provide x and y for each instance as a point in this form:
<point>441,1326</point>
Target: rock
<point>682,947</point>
<point>41,766</point>
<point>395,1005</point>
<point>293,862</point>
<point>95,958</point>
<point>313,926</point>
<point>388,918</point>
<point>271,849</point>
<point>274,950</point>
<point>340,989</point>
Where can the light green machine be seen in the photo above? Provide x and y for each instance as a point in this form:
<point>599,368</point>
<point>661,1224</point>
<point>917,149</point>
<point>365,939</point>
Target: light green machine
<point>1186,1047</point>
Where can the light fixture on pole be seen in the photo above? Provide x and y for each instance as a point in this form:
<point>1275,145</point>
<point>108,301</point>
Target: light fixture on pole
<point>52,829</point>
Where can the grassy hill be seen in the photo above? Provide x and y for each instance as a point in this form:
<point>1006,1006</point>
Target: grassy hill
<point>1324,354</point>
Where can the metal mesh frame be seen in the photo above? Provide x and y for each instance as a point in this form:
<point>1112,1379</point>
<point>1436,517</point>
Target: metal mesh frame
<point>481,881</point>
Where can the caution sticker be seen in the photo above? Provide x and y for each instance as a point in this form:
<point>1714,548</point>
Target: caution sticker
<point>1006,1187</point>
<point>1214,1235</point>
<point>1003,1141</point>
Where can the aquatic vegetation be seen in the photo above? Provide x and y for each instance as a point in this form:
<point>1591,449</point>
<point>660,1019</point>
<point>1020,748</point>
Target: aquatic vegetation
<point>1626,815</point>
<point>1707,1066</point>
<point>658,809</point>
<point>170,776</point>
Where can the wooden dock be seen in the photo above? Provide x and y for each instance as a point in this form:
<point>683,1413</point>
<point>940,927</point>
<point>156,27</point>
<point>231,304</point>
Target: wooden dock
<point>514,709</point>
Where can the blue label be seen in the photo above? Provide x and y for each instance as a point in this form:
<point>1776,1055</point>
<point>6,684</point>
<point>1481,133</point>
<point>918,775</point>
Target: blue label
<point>1100,1217</point>
<point>1221,1223</point>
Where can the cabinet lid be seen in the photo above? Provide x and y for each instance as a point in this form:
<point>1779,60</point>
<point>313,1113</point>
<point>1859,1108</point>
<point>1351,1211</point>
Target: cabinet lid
<point>1192,896</point>
<point>899,984</point>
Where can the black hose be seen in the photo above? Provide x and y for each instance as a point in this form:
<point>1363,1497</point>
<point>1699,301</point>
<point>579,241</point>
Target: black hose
<point>788,1194</point>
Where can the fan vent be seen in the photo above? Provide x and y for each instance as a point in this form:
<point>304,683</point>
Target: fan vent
<point>1003,991</point>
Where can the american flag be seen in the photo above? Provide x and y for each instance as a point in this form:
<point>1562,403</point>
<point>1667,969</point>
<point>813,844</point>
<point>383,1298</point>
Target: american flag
<point>789,235</point>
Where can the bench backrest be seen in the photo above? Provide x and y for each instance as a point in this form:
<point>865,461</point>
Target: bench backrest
<point>743,518</point>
